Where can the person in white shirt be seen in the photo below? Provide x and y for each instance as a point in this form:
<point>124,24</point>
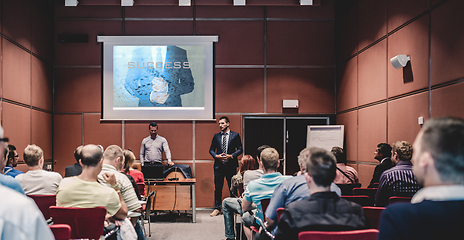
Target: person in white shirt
<point>37,181</point>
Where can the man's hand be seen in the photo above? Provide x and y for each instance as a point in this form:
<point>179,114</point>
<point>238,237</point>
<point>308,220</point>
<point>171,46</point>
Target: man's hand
<point>109,178</point>
<point>171,164</point>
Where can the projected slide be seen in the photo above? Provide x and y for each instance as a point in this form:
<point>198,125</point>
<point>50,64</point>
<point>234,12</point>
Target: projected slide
<point>158,76</point>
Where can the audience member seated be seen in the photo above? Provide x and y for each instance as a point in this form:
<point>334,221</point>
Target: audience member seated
<point>323,210</point>
<point>383,155</point>
<point>230,205</point>
<point>263,187</point>
<point>398,180</point>
<point>345,174</point>
<point>137,175</point>
<point>12,162</point>
<point>437,210</point>
<point>291,190</point>
<point>113,162</point>
<point>74,169</point>
<point>5,180</point>
<point>20,218</point>
<point>37,181</point>
<point>84,191</point>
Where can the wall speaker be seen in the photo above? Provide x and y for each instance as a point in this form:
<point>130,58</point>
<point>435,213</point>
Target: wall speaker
<point>73,38</point>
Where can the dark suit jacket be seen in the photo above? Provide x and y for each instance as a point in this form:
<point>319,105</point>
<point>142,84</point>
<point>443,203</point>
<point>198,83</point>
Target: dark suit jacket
<point>424,220</point>
<point>139,80</point>
<point>379,169</point>
<point>234,149</point>
<point>73,170</point>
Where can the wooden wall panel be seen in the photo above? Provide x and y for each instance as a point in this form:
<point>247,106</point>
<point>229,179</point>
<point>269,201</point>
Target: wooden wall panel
<point>17,126</point>
<point>134,132</point>
<point>239,90</point>
<point>447,42</point>
<point>413,41</point>
<point>155,28</point>
<point>222,12</point>
<point>179,136</point>
<point>42,33</point>
<point>204,132</point>
<point>372,23</point>
<point>16,22</point>
<point>372,74</point>
<point>16,73</point>
<point>400,11</point>
<point>158,12</point>
<point>204,187</point>
<point>77,90</point>
<point>82,11</point>
<point>346,30</point>
<point>307,49</point>
<point>347,85</point>
<point>365,173</point>
<point>67,136</point>
<point>233,46</point>
<point>448,101</point>
<point>314,88</point>
<point>324,11</point>
<point>41,85</point>
<point>402,117</point>
<point>83,53</point>
<point>372,127</point>
<point>101,133</point>
<point>41,130</point>
<point>350,121</point>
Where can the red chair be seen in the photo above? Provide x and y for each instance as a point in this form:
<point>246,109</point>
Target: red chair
<point>280,211</point>
<point>347,189</point>
<point>372,215</point>
<point>365,234</point>
<point>395,199</point>
<point>362,200</point>
<point>366,191</point>
<point>84,222</point>
<point>44,202</point>
<point>61,231</point>
<point>264,204</point>
<point>141,187</point>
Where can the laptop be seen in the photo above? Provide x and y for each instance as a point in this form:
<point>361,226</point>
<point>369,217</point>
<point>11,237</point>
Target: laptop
<point>153,172</point>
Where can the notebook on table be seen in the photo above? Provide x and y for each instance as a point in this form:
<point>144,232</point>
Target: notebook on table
<point>153,172</point>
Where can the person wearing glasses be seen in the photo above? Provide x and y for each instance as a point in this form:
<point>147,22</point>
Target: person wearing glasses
<point>12,162</point>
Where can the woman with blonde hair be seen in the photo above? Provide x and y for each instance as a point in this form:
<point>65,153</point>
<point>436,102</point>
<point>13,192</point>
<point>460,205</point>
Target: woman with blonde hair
<point>136,174</point>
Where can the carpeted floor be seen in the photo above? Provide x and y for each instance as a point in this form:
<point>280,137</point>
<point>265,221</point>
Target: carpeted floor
<point>174,226</point>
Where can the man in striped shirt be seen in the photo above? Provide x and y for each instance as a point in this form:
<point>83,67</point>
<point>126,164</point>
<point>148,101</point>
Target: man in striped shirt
<point>398,180</point>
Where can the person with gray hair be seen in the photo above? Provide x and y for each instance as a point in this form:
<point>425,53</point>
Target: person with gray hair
<point>398,180</point>
<point>37,181</point>
<point>436,211</point>
<point>324,209</point>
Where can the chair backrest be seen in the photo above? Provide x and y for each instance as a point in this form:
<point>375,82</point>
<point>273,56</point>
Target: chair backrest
<point>347,189</point>
<point>366,191</point>
<point>44,202</point>
<point>84,222</point>
<point>61,231</point>
<point>396,199</point>
<point>362,200</point>
<point>365,234</point>
<point>141,187</point>
<point>150,201</point>
<point>279,212</point>
<point>372,215</point>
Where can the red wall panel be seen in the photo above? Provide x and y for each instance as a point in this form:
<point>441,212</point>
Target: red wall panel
<point>158,12</point>
<point>306,49</point>
<point>67,136</point>
<point>314,88</point>
<point>41,132</point>
<point>233,46</point>
<point>16,22</point>
<point>413,41</point>
<point>239,90</point>
<point>372,76</point>
<point>41,85</point>
<point>365,173</point>
<point>82,11</point>
<point>350,121</point>
<point>402,117</point>
<point>16,73</point>
<point>77,90</point>
<point>324,11</point>
<point>204,132</point>
<point>448,101</point>
<point>372,23</point>
<point>153,28</point>
<point>347,32</point>
<point>447,43</point>
<point>372,125</point>
<point>17,126</point>
<point>223,12</point>
<point>101,133</point>
<point>400,11</point>
<point>347,85</point>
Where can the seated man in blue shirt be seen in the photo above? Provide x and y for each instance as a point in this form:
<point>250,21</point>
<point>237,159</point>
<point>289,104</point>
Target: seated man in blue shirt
<point>263,187</point>
<point>12,161</point>
<point>5,180</point>
<point>437,210</point>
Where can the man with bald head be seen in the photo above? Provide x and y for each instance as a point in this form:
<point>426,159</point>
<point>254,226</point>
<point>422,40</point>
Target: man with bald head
<point>85,192</point>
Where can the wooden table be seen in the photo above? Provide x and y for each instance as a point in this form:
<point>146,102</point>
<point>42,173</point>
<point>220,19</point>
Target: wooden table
<point>174,195</point>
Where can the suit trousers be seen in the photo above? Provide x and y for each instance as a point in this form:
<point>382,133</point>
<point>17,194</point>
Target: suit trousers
<point>221,172</point>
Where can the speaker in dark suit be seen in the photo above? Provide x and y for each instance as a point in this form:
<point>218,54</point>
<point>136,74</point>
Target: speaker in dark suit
<point>225,148</point>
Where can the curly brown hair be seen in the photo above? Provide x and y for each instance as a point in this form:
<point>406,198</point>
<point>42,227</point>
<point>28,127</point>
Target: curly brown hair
<point>247,163</point>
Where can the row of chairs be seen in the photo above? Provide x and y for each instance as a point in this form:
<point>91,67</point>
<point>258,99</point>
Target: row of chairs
<point>81,222</point>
